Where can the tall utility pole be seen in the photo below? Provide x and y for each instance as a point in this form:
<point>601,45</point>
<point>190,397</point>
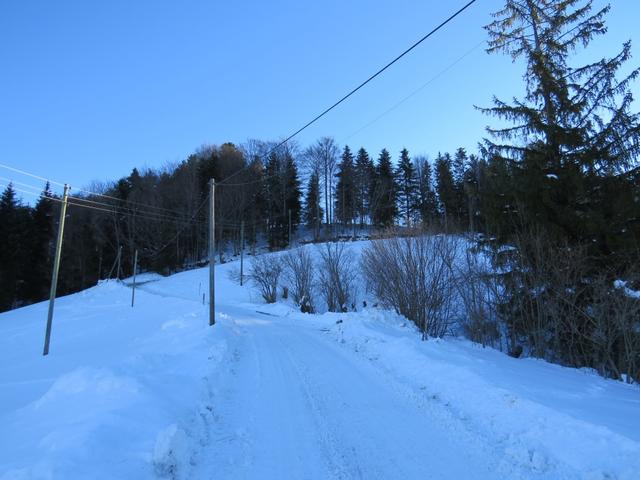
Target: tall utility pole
<point>135,268</point>
<point>289,228</point>
<point>56,268</point>
<point>212,246</point>
<point>119,257</point>
<point>241,252</point>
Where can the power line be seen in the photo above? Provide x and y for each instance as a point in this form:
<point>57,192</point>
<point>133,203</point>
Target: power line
<point>318,117</point>
<point>280,144</point>
<point>415,92</point>
<point>17,170</point>
<point>26,192</point>
<point>383,114</point>
<point>143,205</point>
<point>111,211</point>
<point>27,185</point>
<point>157,252</point>
<point>89,192</point>
<point>291,136</point>
<point>352,92</point>
<point>127,210</point>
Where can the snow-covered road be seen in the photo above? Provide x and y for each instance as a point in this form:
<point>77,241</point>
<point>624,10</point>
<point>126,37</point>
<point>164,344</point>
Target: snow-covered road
<point>296,405</point>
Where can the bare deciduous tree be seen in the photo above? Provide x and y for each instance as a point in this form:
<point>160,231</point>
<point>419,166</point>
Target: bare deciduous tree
<point>322,157</point>
<point>337,276</point>
<point>265,273</point>
<point>299,272</point>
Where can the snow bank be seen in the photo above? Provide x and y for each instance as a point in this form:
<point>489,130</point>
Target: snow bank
<point>105,402</point>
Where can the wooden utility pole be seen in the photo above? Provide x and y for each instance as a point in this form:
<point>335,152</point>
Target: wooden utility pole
<point>318,219</point>
<point>289,228</point>
<point>241,252</point>
<point>56,268</point>
<point>212,245</point>
<point>119,257</point>
<point>135,269</point>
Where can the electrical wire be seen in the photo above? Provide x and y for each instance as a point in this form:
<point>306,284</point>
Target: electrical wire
<point>291,136</point>
<point>89,192</point>
<point>17,170</point>
<point>73,201</point>
<point>353,91</point>
<point>149,214</point>
<point>415,92</point>
<point>157,252</point>
<point>26,192</point>
<point>130,211</point>
<point>131,202</point>
<point>27,185</point>
<point>112,212</point>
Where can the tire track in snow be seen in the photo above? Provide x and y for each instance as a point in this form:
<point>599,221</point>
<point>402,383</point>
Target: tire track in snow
<point>343,465</point>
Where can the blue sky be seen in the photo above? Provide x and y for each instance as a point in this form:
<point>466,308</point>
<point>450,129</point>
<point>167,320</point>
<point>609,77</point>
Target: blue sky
<point>89,90</point>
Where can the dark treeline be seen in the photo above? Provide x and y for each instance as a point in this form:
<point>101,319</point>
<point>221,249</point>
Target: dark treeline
<point>164,213</point>
<point>553,197</point>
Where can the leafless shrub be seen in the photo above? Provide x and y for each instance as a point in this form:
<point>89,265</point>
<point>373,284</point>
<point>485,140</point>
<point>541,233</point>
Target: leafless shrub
<point>616,334</point>
<point>627,314</point>
<point>299,272</point>
<point>413,276</point>
<point>337,276</point>
<point>264,272</point>
<point>479,293</point>
<point>234,274</point>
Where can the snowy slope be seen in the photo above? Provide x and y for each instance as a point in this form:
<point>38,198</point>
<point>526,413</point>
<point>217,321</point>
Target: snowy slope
<point>153,392</point>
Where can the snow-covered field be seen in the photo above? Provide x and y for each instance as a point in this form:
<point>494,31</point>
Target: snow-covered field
<point>270,393</point>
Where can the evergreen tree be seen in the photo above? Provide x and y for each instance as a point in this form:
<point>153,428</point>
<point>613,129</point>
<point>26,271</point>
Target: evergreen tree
<point>427,204</point>
<point>574,128</point>
<point>384,207</point>
<point>496,195</point>
<point>445,188</point>
<point>345,188</point>
<point>365,174</point>
<point>407,187</point>
<point>256,206</point>
<point>41,238</point>
<point>273,194</point>
<point>282,196</point>
<point>458,170</point>
<point>471,188</point>
<point>292,192</point>
<point>569,156</point>
<point>313,211</point>
<point>13,239</point>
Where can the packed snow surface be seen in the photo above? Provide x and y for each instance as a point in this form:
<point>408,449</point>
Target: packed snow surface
<point>270,393</point>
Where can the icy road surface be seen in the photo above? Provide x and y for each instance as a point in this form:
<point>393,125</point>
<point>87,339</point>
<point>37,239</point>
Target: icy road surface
<point>295,405</point>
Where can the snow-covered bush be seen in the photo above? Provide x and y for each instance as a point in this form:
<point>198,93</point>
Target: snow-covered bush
<point>337,276</point>
<point>413,275</point>
<point>264,272</point>
<point>299,272</point>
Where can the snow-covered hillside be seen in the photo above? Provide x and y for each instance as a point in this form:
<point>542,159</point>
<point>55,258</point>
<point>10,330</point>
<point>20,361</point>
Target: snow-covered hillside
<point>270,393</point>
